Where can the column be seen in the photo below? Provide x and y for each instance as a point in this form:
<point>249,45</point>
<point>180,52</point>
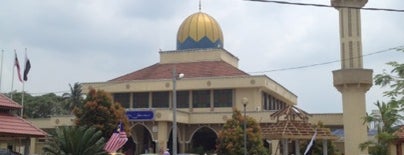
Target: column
<point>325,147</point>
<point>285,147</point>
<point>275,147</point>
<point>140,147</point>
<point>182,147</point>
<point>32,146</point>
<point>26,143</point>
<point>162,136</point>
<point>297,147</point>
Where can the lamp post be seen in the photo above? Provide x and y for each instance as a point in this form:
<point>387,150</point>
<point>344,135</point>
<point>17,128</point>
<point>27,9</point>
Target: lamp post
<point>175,77</point>
<point>245,102</point>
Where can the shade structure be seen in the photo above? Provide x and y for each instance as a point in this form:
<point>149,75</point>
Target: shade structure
<point>292,123</point>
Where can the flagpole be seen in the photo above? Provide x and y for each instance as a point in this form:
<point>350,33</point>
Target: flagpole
<point>1,69</point>
<point>23,86</point>
<point>22,99</point>
<point>311,142</point>
<point>12,76</point>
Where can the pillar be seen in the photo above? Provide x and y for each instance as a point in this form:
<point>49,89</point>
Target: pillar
<point>140,147</point>
<point>325,147</point>
<point>162,136</point>
<point>353,85</point>
<point>352,80</point>
<point>297,147</point>
<point>188,146</point>
<point>182,147</point>
<point>285,147</point>
<point>275,147</point>
<point>26,145</point>
<point>32,146</point>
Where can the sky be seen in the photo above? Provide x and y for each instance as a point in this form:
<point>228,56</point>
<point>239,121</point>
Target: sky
<point>72,41</point>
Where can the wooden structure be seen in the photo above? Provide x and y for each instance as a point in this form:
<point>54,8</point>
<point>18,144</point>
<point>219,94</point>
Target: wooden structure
<point>292,125</point>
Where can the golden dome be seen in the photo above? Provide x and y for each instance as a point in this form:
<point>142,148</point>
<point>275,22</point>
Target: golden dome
<point>199,30</point>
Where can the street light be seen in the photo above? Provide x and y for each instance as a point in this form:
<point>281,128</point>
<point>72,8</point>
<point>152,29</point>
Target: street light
<point>175,77</point>
<point>244,101</point>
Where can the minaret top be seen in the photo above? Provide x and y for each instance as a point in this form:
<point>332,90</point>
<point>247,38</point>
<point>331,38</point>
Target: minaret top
<point>348,3</point>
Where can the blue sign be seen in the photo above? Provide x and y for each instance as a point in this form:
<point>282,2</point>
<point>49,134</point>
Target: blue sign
<point>140,115</point>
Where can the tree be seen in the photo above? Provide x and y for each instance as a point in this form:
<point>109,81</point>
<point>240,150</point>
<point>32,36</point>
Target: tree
<point>230,139</point>
<point>75,140</point>
<point>42,106</point>
<point>100,112</point>
<point>389,115</point>
<point>393,80</point>
<point>388,118</point>
<point>74,98</point>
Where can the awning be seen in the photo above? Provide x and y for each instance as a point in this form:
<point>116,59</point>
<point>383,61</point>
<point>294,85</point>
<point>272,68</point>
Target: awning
<point>6,103</point>
<point>15,126</point>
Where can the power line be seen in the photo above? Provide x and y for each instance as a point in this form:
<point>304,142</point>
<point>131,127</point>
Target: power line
<point>257,72</point>
<point>328,62</point>
<point>327,6</point>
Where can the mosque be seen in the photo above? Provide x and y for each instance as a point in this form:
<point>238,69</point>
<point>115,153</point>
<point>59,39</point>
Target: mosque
<point>210,87</point>
<point>204,81</point>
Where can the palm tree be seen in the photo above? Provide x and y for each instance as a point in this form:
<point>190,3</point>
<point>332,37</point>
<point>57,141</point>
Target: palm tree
<point>388,118</point>
<point>74,98</point>
<point>76,140</point>
<point>389,112</point>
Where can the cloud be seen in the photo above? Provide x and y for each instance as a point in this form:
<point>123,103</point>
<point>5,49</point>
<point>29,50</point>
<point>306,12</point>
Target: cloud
<point>89,41</point>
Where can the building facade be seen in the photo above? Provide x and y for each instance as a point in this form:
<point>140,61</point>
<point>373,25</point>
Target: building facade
<point>211,87</point>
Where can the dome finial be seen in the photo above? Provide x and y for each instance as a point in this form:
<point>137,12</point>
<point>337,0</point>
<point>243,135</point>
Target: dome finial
<point>200,5</point>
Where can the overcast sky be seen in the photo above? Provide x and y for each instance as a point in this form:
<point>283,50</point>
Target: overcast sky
<point>72,41</point>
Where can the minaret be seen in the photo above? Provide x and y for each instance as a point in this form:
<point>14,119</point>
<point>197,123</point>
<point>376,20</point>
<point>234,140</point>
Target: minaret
<point>352,80</point>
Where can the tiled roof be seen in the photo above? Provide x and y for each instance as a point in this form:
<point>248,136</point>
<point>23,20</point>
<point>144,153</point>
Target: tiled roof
<point>14,126</point>
<point>190,69</point>
<point>292,113</point>
<point>400,133</point>
<point>6,103</point>
<point>294,125</point>
<point>294,130</point>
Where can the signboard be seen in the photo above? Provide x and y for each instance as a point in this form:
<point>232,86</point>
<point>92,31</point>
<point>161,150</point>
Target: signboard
<point>140,115</point>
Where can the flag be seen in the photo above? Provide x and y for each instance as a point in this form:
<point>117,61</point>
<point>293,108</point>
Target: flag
<point>27,67</point>
<point>311,142</point>
<point>117,140</point>
<point>17,65</point>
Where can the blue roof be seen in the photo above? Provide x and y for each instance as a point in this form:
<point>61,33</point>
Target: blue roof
<point>340,132</point>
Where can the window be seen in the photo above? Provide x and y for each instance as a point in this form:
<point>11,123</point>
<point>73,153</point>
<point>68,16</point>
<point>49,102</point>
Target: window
<point>160,99</point>
<point>277,105</point>
<point>223,98</point>
<point>201,99</point>
<point>182,99</point>
<point>123,99</point>
<point>141,100</point>
<point>264,101</point>
<point>272,103</point>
